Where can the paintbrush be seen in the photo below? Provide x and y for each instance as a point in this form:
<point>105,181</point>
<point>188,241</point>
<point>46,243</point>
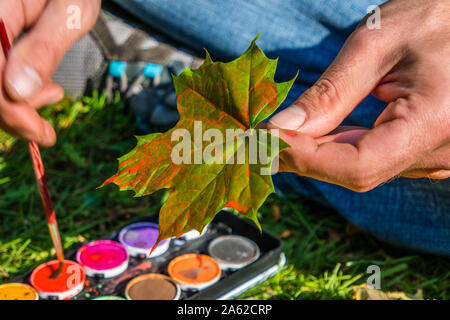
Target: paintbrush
<point>39,172</point>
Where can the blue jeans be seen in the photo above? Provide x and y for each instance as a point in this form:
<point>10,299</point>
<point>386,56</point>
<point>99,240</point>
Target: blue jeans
<point>306,35</point>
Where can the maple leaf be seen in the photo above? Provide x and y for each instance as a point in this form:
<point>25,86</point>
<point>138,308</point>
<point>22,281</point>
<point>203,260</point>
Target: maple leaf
<point>222,96</point>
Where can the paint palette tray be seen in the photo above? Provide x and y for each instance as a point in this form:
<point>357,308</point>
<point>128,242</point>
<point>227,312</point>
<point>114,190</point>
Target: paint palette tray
<point>231,283</point>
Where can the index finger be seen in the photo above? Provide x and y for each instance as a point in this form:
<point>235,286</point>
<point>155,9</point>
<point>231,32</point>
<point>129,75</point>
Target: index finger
<point>18,16</point>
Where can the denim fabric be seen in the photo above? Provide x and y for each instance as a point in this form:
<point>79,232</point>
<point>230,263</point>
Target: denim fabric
<point>306,35</point>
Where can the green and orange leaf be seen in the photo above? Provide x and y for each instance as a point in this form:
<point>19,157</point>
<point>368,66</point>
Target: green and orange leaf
<point>234,95</point>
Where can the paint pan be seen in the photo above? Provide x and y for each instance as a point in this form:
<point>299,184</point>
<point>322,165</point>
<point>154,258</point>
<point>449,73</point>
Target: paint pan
<point>233,252</point>
<point>152,286</point>
<point>17,291</point>
<point>194,271</point>
<point>68,284</point>
<point>193,234</point>
<point>109,298</point>
<point>103,258</point>
<point>139,239</point>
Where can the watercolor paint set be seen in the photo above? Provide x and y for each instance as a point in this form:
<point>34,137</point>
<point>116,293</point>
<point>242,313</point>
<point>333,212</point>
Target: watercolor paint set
<point>228,258</point>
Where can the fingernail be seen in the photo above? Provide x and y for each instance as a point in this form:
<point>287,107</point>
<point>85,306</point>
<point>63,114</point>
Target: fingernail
<point>48,138</point>
<point>55,97</point>
<point>26,82</point>
<point>291,118</point>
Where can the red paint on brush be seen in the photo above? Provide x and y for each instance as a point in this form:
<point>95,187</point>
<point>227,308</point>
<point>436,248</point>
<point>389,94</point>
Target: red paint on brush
<point>38,167</point>
<point>6,45</point>
<point>39,171</point>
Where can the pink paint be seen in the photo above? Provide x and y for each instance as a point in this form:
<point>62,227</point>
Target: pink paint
<point>102,255</point>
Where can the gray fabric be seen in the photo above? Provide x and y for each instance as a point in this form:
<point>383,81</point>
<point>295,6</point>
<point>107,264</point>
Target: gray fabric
<point>82,62</point>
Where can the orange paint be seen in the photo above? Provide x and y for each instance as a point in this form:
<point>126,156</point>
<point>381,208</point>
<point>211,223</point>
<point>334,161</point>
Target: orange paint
<point>17,291</point>
<point>194,269</point>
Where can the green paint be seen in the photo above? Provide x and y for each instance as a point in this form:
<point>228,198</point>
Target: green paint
<point>109,298</point>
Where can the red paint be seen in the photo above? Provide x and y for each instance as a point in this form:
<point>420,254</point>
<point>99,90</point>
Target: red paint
<point>290,133</point>
<point>4,39</point>
<point>72,275</point>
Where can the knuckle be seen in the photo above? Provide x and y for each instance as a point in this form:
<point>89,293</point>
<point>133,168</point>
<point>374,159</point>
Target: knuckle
<point>361,38</point>
<point>322,95</point>
<point>298,166</point>
<point>361,189</point>
<point>402,107</point>
<point>361,180</point>
<point>370,41</point>
<point>7,120</point>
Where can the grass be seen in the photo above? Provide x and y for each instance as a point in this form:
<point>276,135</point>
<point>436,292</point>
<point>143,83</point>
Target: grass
<point>326,256</point>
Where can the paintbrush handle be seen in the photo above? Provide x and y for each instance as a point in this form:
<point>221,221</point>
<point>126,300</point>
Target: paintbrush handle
<point>39,172</point>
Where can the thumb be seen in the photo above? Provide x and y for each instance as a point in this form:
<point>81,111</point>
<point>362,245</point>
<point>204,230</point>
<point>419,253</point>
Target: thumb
<point>37,54</point>
<point>355,72</point>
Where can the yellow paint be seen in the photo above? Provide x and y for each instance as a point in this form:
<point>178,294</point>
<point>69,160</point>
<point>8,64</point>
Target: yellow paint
<point>17,291</point>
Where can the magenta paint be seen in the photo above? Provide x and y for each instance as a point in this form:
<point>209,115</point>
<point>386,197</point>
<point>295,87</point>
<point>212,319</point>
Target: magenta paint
<point>103,258</point>
<point>139,238</point>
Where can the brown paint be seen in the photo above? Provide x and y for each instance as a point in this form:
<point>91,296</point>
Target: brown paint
<point>151,287</point>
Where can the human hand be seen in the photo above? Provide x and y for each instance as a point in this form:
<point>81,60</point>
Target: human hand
<point>26,84</point>
<point>406,63</point>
